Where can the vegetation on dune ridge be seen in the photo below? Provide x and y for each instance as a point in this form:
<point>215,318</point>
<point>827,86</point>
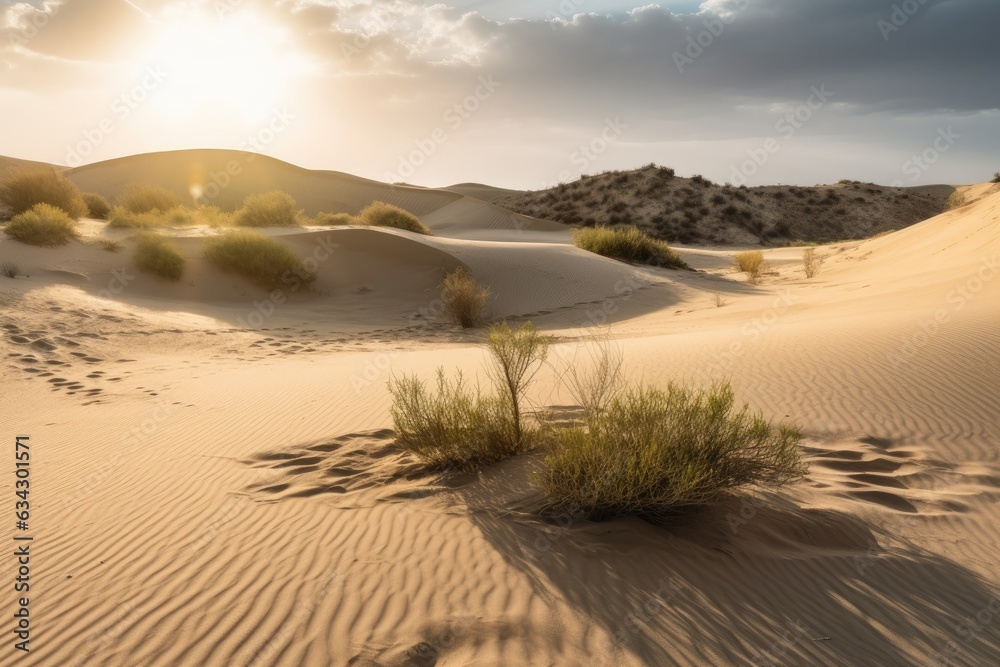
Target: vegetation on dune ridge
<point>157,255</point>
<point>42,225</point>
<point>265,261</point>
<point>381,214</point>
<point>179,216</point>
<point>147,197</point>
<point>628,245</point>
<point>22,188</point>
<point>269,209</point>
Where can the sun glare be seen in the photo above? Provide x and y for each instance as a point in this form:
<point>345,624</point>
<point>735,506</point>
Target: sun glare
<point>238,65</point>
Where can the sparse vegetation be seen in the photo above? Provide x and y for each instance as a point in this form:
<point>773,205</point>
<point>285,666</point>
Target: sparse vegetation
<point>628,245</point>
<point>381,214</point>
<point>750,262</point>
<point>269,209</point>
<point>720,300</point>
<point>996,177</point>
<point>464,299</point>
<point>21,189</point>
<point>654,453</point>
<point>10,269</point>
<point>97,206</point>
<point>263,260</point>
<point>110,244</point>
<point>146,197</point>
<point>43,225</point>
<point>179,216</point>
<point>465,428</point>
<point>335,219</point>
<point>157,255</point>
<point>811,263</point>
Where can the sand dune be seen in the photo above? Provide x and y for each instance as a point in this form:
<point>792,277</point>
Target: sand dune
<point>235,498</point>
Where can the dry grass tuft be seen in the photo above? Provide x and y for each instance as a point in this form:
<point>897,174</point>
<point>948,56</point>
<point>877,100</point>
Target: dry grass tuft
<point>269,209</point>
<point>21,189</point>
<point>381,214</point>
<point>146,197</point>
<point>43,225</point>
<point>155,254</point>
<point>751,263</point>
<point>464,299</point>
<point>811,263</point>
<point>263,260</point>
<point>628,245</point>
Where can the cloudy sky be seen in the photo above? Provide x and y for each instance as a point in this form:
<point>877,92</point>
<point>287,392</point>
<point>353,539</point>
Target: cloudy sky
<point>516,93</point>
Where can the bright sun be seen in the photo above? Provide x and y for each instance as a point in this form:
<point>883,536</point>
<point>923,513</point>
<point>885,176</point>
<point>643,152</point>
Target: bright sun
<point>237,65</point>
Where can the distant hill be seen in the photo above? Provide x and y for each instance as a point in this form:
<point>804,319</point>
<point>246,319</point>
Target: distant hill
<point>695,210</point>
<point>224,178</point>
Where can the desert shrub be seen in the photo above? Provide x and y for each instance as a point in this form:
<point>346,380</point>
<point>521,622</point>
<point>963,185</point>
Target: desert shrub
<point>464,299</point>
<point>263,260</point>
<point>269,209</point>
<point>381,214</point>
<point>654,453</point>
<point>811,263</point>
<point>10,270</point>
<point>97,206</point>
<point>43,225</point>
<point>146,197</point>
<point>110,244</point>
<point>996,178</point>
<point>21,189</point>
<point>335,219</point>
<point>627,245</point>
<point>213,216</point>
<point>157,255</point>
<point>458,427</point>
<point>751,263</point>
<point>179,216</point>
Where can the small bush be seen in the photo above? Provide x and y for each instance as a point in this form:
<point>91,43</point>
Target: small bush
<point>751,263</point>
<point>627,245</point>
<point>43,225</point>
<point>654,453</point>
<point>270,209</point>
<point>110,244</point>
<point>10,270</point>
<point>381,214</point>
<point>454,427</point>
<point>332,219</point>
<point>122,218</point>
<point>157,255</point>
<point>464,299</point>
<point>810,262</point>
<point>23,188</point>
<point>461,428</point>
<point>146,197</point>
<point>97,206</point>
<point>996,178</point>
<point>263,260</point>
